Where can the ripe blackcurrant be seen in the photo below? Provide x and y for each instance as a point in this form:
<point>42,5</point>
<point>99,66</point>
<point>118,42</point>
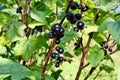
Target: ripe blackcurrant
<point>61,31</point>
<point>78,16</point>
<point>56,27</point>
<point>55,55</point>
<point>105,52</point>
<point>73,21</point>
<point>57,41</point>
<point>110,50</point>
<point>106,46</point>
<point>57,65</point>
<point>69,16</point>
<point>19,10</point>
<point>76,29</point>
<point>60,59</point>
<point>39,28</point>
<point>51,35</point>
<point>73,5</point>
<point>59,50</point>
<point>85,8</point>
<point>80,25</point>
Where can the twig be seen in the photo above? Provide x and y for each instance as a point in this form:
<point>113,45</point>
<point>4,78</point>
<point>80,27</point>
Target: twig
<point>84,53</point>
<point>85,65</point>
<point>96,16</point>
<point>48,57</point>
<point>18,2</point>
<point>65,12</point>
<point>90,72</point>
<point>97,75</point>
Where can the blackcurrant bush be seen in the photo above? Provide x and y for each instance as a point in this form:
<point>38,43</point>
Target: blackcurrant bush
<point>51,35</point>
<point>73,5</point>
<point>80,25</point>
<point>78,16</point>
<point>56,27</point>
<point>57,41</point>
<point>76,29</point>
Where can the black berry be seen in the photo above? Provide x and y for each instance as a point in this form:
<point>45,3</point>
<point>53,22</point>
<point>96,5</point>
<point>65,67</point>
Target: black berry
<point>110,50</point>
<point>85,8</point>
<point>78,16</point>
<point>56,27</point>
<point>60,59</point>
<point>57,41</point>
<point>80,25</point>
<point>106,46</point>
<point>59,50</point>
<point>39,28</point>
<point>73,21</point>
<point>19,10</point>
<point>55,55</point>
<point>57,65</point>
<point>61,31</point>
<point>73,5</point>
<point>105,52</point>
<point>76,29</point>
<point>51,35</point>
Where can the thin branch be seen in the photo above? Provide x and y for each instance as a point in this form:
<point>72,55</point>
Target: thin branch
<point>114,52</point>
<point>56,16</point>
<point>18,2</point>
<point>96,75</point>
<point>85,65</point>
<point>48,57</point>
<point>65,12</point>
<point>90,72</point>
<point>84,53</point>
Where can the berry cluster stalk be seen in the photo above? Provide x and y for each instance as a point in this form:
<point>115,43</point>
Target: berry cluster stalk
<point>52,45</point>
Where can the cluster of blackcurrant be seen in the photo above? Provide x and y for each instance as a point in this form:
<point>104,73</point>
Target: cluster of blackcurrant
<point>56,32</point>
<point>56,55</point>
<point>77,17</point>
<point>105,47</point>
<point>19,10</point>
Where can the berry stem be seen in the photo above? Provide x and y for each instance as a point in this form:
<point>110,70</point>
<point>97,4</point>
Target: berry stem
<point>84,53</point>
<point>48,57</point>
<point>56,16</point>
<point>65,12</point>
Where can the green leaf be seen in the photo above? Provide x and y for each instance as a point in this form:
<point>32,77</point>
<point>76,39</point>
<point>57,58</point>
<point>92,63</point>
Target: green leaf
<point>56,74</point>
<point>98,37</point>
<point>39,16</point>
<point>95,56</point>
<point>118,47</point>
<point>26,47</point>
<point>67,54</point>
<point>15,31</point>
<point>77,52</point>
<point>113,28</point>
<point>69,35</point>
<point>106,68</point>
<point>16,70</point>
<point>105,24</point>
